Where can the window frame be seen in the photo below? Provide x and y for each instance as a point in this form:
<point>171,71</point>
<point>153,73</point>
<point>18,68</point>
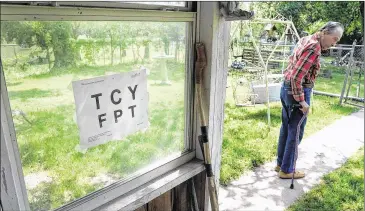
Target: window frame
<point>108,4</point>
<point>130,5</point>
<point>104,195</point>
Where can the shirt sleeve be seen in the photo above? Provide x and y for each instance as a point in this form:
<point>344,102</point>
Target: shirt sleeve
<point>317,68</point>
<point>301,68</point>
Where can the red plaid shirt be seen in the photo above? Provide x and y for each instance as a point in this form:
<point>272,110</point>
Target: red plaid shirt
<point>304,65</point>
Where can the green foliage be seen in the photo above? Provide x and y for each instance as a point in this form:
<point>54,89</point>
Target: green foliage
<point>68,44</point>
<point>169,32</point>
<point>313,28</point>
<point>18,32</point>
<point>62,45</point>
<point>308,16</point>
<point>47,35</point>
<point>90,47</point>
<point>22,66</point>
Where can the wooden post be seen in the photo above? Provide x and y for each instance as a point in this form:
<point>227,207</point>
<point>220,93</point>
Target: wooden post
<point>349,65</point>
<point>351,70</point>
<point>213,31</point>
<point>16,56</point>
<point>12,184</point>
<point>295,31</point>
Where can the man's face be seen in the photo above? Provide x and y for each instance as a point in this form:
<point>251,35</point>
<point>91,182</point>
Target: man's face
<point>329,40</point>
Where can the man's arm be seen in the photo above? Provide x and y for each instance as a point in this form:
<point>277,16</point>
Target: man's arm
<point>301,68</point>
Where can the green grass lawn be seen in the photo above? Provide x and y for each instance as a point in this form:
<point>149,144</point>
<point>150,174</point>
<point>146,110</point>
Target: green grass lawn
<point>335,84</point>
<point>47,145</point>
<point>340,190</point>
<point>248,141</point>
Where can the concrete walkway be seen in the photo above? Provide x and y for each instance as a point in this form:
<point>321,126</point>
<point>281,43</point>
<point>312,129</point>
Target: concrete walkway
<point>319,154</point>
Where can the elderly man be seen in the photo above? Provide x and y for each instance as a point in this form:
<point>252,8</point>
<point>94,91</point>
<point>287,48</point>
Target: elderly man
<point>300,76</point>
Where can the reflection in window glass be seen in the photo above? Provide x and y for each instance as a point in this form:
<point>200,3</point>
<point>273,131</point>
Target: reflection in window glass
<point>164,3</point>
<point>41,59</point>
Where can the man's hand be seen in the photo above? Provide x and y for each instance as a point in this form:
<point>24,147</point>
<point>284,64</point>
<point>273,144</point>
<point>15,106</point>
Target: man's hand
<point>305,107</point>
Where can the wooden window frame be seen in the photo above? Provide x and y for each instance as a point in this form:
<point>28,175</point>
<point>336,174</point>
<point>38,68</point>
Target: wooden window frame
<point>107,4</point>
<point>16,195</point>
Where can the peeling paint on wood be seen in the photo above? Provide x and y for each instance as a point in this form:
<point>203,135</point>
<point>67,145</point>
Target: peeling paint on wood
<point>4,179</point>
<point>178,198</point>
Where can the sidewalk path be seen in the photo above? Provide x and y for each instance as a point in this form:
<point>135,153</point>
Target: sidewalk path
<point>319,154</point>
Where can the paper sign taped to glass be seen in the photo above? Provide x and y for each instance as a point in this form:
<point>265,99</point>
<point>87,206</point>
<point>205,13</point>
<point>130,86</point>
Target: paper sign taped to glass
<point>111,107</point>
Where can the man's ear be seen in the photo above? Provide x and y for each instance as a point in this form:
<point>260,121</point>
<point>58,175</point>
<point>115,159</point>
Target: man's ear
<point>325,32</point>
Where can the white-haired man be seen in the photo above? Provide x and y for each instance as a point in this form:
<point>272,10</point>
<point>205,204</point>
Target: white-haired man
<point>300,76</point>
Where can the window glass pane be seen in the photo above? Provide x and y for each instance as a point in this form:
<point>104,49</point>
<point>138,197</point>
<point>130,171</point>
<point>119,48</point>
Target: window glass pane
<point>164,3</point>
<point>40,61</point>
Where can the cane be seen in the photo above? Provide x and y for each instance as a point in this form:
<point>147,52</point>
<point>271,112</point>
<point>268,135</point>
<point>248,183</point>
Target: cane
<point>200,64</point>
<point>296,144</point>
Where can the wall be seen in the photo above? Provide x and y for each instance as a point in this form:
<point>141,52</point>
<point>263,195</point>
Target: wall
<point>178,198</point>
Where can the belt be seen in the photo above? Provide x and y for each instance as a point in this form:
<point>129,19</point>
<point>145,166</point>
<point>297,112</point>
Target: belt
<point>305,85</point>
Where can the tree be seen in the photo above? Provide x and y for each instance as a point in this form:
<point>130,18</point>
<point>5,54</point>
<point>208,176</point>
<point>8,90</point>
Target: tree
<point>123,41</point>
<point>163,35</point>
<point>19,32</point>
<point>308,16</point>
<point>62,43</point>
<point>98,31</point>
<point>169,33</point>
<point>140,35</point>
<point>362,18</point>
<point>16,32</point>
<point>46,35</point>
<point>43,37</point>
<point>113,32</point>
<point>147,38</point>
<point>177,35</point>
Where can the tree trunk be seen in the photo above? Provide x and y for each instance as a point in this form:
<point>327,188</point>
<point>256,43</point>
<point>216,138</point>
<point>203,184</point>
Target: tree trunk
<point>134,54</point>
<point>93,54</point>
<point>362,20</point>
<point>111,52</point>
<point>49,58</point>
<point>124,54</point>
<point>104,54</point>
<point>120,54</point>
<point>139,58</point>
<point>147,52</point>
<point>177,47</point>
<point>166,47</point>
<point>79,57</point>
<point>16,56</point>
<point>57,58</point>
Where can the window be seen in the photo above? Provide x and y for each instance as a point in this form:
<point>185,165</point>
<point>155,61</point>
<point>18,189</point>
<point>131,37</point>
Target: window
<point>143,5</point>
<point>164,3</point>
<point>41,59</point>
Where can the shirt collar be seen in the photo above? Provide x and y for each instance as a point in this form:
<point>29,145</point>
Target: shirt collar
<point>316,36</point>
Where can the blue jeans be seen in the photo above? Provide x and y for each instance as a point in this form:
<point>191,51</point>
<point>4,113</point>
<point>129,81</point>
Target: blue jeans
<point>290,117</point>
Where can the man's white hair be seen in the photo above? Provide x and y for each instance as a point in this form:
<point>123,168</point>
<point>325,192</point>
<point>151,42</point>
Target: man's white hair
<point>332,27</point>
